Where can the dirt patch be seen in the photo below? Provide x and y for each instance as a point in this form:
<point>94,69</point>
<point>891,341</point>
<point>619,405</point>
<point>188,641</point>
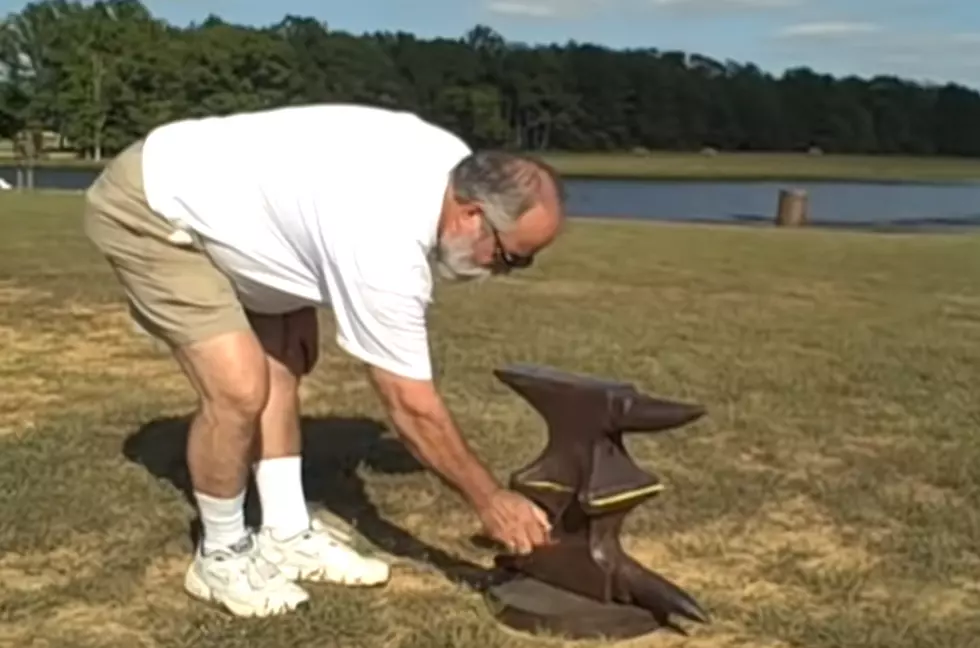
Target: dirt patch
<point>733,578</point>
<point>947,604</point>
<point>81,364</point>
<point>410,581</point>
<point>74,623</point>
<point>874,446</point>
<point>112,624</point>
<point>32,572</point>
<point>920,492</point>
<point>713,640</point>
<point>163,587</point>
<point>739,561</point>
<point>102,625</point>
<point>808,462</point>
<point>800,525</point>
<point>562,287</point>
<point>12,294</point>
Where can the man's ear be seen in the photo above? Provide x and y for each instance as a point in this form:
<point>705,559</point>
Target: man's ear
<point>471,217</point>
<point>470,209</point>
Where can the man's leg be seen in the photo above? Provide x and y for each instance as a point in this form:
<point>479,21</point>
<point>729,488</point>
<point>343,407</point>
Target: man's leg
<point>301,548</point>
<point>290,345</point>
<point>177,295</point>
<point>229,375</point>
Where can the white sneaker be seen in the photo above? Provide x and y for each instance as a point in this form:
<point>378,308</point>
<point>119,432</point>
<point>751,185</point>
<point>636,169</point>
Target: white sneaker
<point>241,580</point>
<point>323,554</point>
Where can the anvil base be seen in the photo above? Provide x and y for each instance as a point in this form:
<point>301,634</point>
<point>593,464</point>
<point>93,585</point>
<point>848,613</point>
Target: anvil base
<point>529,605</point>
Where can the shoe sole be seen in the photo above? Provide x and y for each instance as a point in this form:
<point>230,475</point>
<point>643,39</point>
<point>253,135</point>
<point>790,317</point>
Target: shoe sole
<point>196,587</point>
<point>319,576</point>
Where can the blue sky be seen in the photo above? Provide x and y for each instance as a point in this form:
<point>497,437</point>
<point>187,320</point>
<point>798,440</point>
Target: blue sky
<point>935,40</point>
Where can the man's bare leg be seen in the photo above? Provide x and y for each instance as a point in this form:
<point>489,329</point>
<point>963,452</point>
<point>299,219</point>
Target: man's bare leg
<point>230,375</point>
<point>301,548</point>
<point>278,460</point>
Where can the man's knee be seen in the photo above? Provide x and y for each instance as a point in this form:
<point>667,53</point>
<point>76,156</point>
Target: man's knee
<point>230,374</point>
<point>242,398</point>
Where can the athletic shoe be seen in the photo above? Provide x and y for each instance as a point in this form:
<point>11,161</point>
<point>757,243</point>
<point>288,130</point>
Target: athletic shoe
<point>322,554</point>
<point>241,580</point>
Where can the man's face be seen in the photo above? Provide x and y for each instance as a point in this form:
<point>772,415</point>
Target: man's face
<point>477,255</point>
<point>471,248</point>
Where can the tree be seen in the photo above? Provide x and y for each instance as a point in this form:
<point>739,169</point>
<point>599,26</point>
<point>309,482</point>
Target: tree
<point>102,74</point>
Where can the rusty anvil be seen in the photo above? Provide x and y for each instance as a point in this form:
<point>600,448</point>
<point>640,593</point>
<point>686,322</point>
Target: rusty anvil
<point>585,585</point>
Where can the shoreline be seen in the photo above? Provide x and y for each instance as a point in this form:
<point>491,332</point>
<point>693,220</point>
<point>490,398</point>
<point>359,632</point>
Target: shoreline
<point>722,167</point>
<point>938,226</point>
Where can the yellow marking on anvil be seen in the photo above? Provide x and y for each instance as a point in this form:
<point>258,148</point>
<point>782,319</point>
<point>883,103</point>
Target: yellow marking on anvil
<point>549,486</point>
<point>610,500</point>
<point>619,498</point>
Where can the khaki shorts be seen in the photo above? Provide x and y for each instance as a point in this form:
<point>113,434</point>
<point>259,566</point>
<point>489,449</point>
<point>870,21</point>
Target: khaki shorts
<point>175,292</point>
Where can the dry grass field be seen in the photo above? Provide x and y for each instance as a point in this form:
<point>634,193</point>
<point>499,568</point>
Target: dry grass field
<point>767,166</point>
<point>830,499</point>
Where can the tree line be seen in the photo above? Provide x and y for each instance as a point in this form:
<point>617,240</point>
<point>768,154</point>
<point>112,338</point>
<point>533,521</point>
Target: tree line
<point>100,75</point>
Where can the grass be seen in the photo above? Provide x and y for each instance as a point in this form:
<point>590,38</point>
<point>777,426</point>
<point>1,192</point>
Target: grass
<point>723,166</point>
<point>831,498</point>
<point>766,166</point>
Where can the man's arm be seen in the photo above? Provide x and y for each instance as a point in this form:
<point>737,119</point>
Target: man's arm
<point>428,430</point>
<point>380,313</point>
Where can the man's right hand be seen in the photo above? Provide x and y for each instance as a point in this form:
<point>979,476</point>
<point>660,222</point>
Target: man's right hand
<point>515,522</point>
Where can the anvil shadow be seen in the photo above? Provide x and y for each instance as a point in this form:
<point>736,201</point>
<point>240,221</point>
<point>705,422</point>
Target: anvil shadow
<point>333,450</point>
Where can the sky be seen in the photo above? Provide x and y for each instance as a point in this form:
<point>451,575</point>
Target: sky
<point>923,40</point>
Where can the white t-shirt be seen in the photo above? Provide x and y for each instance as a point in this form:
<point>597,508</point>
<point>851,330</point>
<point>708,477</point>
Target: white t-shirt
<point>324,205</point>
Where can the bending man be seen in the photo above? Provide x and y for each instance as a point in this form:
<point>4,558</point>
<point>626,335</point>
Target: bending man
<point>226,233</point>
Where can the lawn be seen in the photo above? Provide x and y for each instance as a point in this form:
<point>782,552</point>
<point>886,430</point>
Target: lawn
<point>831,497</point>
<point>767,166</point>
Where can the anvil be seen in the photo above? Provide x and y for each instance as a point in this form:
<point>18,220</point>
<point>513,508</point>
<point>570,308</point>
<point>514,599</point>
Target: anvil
<point>585,585</point>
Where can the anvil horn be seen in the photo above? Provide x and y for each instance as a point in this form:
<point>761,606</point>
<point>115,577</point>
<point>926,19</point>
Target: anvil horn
<point>636,412</point>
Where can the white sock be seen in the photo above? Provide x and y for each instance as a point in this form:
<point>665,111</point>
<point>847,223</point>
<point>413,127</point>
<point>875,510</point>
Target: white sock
<point>280,485</point>
<point>223,520</point>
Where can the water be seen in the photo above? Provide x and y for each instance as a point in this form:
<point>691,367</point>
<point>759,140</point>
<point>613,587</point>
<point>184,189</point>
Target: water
<point>839,204</point>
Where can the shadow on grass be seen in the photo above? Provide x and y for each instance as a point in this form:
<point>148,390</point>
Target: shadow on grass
<point>333,449</point>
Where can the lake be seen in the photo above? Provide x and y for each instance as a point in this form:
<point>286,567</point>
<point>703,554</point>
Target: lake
<point>840,204</point>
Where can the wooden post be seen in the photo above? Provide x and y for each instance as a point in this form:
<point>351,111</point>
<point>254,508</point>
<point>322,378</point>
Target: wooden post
<point>793,209</point>
<point>28,146</point>
<point>20,154</point>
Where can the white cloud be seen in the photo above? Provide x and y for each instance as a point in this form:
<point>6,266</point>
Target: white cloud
<point>920,55</point>
<point>826,30</point>
<point>703,5</point>
<point>549,8</point>
<point>864,40</point>
<point>966,38</point>
<point>580,8</point>
<point>529,9</point>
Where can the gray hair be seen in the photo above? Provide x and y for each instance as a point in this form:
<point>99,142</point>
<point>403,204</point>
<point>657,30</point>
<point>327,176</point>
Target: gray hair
<point>505,185</point>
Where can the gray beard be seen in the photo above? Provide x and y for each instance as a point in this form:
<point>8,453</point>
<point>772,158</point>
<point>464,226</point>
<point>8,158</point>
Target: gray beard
<point>453,260</point>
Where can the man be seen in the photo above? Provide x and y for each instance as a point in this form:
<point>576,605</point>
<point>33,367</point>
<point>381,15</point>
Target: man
<point>226,233</point>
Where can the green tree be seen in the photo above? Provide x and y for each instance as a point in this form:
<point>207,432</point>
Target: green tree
<point>103,73</point>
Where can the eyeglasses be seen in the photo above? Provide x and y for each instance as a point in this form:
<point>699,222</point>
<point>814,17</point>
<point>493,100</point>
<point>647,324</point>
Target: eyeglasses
<point>502,256</point>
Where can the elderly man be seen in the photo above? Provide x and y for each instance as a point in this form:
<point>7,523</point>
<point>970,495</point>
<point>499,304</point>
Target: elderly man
<point>226,233</point>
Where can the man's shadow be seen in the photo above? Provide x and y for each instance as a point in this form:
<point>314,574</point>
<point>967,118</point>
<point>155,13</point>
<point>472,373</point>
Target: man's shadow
<point>333,449</point>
